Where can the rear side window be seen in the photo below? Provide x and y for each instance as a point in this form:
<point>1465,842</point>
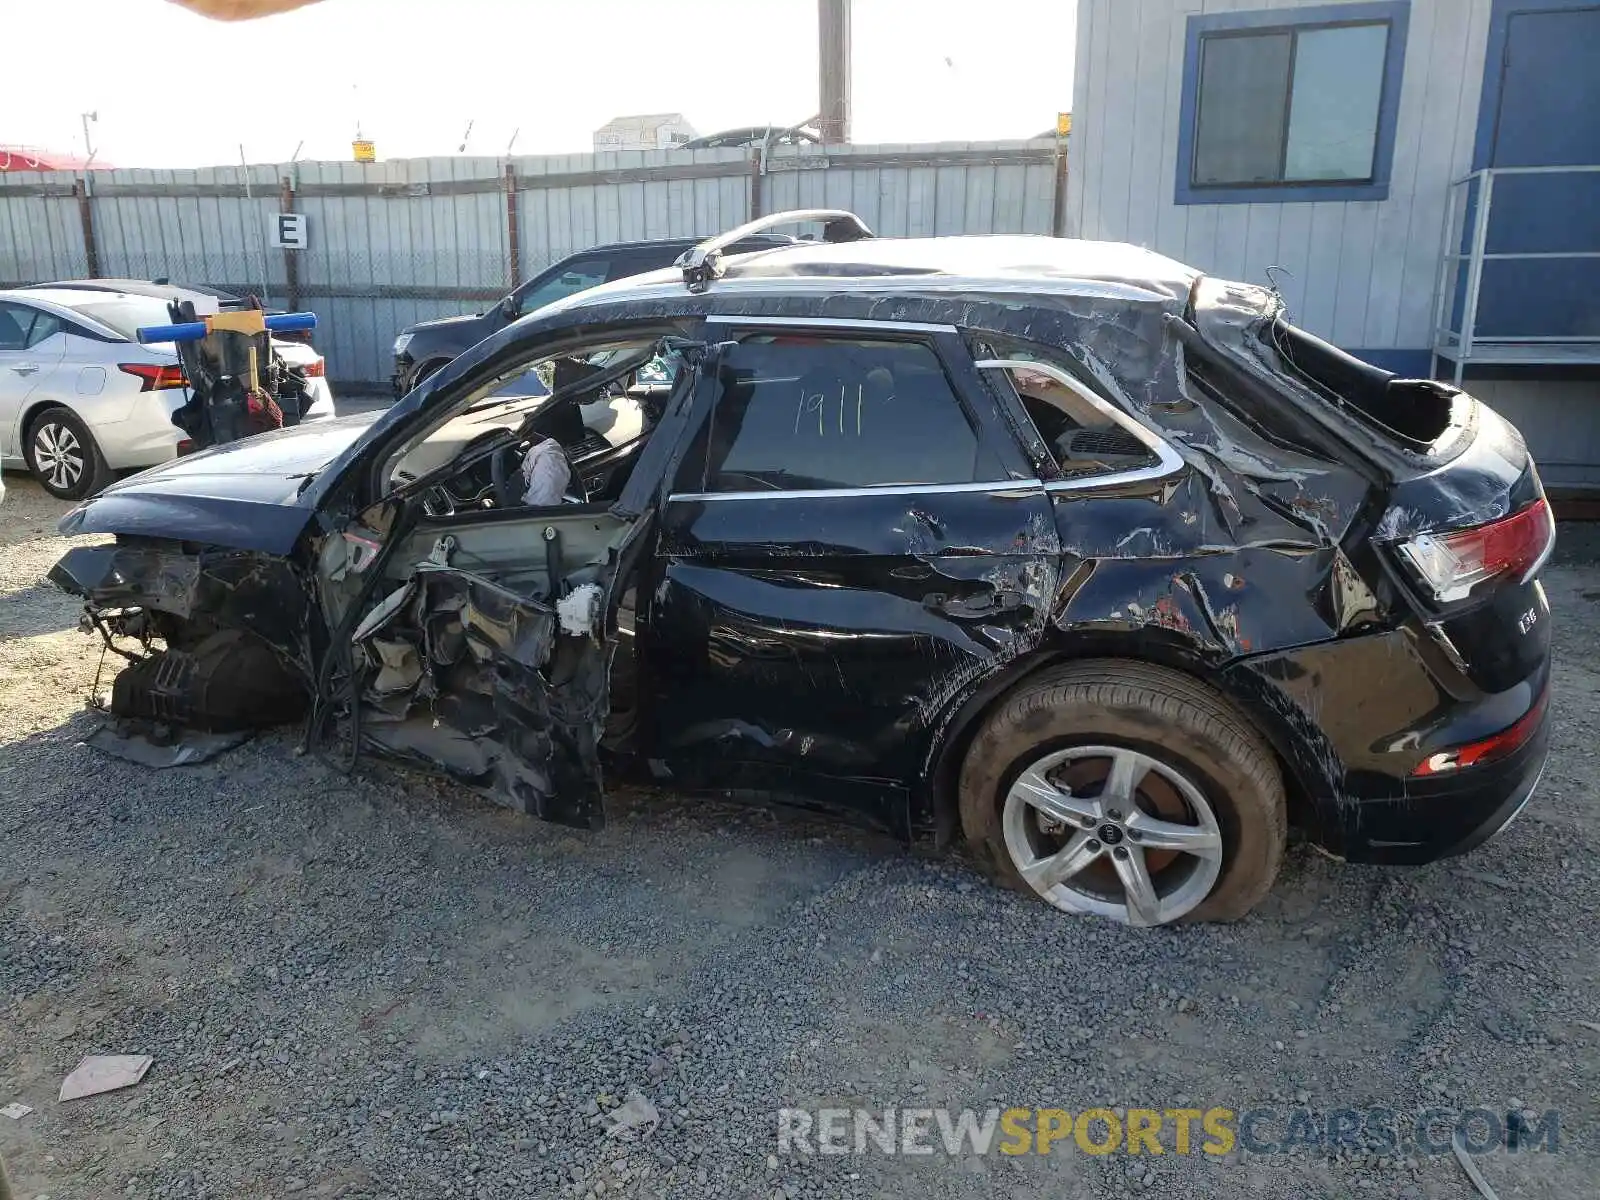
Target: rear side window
<point>14,322</point>
<point>125,314</point>
<point>637,263</point>
<point>44,325</point>
<point>577,276</point>
<point>1084,434</point>
<point>805,413</point>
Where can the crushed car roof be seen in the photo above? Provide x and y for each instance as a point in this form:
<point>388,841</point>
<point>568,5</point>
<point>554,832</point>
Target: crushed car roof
<point>993,264</point>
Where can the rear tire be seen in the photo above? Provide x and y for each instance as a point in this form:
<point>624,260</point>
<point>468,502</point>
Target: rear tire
<point>63,455</point>
<point>1198,833</point>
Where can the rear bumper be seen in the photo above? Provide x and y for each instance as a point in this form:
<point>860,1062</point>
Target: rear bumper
<point>321,406</point>
<point>1354,720</point>
<point>1446,816</point>
<point>147,437</point>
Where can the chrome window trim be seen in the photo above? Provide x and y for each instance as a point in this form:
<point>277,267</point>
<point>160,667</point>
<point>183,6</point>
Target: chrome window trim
<point>1168,459</point>
<point>829,323</point>
<point>887,489</point>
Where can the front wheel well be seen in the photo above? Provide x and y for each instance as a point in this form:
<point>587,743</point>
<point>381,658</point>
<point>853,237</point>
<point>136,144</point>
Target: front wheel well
<point>941,798</point>
<point>428,366</point>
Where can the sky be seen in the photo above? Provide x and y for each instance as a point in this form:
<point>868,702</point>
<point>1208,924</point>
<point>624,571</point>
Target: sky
<point>173,89</point>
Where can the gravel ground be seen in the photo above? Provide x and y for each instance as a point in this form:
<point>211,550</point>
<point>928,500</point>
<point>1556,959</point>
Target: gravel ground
<point>380,987</point>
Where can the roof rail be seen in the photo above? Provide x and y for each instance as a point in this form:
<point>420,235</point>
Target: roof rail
<point>700,265</point>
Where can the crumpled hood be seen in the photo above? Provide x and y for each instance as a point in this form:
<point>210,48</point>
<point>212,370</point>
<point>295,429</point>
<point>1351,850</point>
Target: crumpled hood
<point>244,495</point>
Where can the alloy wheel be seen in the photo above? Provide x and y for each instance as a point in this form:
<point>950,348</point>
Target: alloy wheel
<point>58,455</point>
<point>1114,832</point>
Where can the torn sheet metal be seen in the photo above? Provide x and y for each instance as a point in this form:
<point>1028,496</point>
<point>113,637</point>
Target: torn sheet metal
<point>97,1073</point>
<point>162,747</point>
<point>239,589</point>
<point>130,576</point>
<point>468,677</point>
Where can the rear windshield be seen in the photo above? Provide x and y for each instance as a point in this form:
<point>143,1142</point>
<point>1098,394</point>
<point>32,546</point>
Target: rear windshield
<point>1414,412</point>
<point>124,314</point>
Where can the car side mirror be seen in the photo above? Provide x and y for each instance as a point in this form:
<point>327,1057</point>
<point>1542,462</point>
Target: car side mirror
<point>509,307</point>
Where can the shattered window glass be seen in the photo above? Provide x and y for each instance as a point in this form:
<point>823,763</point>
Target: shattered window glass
<point>1292,105</point>
<point>1082,439</point>
<point>803,413</point>
<point>609,416</point>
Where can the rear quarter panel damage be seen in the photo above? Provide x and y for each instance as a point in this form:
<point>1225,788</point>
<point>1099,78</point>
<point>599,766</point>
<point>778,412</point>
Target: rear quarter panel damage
<point>1248,550</point>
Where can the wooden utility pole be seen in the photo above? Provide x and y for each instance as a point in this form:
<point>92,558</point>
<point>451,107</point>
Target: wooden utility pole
<point>91,250</point>
<point>833,63</point>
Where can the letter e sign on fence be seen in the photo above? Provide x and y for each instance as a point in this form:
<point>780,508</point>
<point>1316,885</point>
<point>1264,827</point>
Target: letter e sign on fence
<point>287,231</point>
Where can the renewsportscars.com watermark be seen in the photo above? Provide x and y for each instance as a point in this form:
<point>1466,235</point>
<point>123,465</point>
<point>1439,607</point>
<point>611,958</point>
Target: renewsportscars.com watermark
<point>1214,1131</point>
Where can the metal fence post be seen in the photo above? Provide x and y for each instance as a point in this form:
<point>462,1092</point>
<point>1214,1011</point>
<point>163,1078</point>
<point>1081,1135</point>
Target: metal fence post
<point>91,251</point>
<point>291,260</point>
<point>513,228</point>
<point>1058,208</point>
<point>756,165</point>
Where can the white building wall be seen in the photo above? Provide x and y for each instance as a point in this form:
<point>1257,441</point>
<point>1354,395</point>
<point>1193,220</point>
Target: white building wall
<point>1360,273</point>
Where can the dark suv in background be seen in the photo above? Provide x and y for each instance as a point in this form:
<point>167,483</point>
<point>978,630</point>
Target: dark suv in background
<point>423,348</point>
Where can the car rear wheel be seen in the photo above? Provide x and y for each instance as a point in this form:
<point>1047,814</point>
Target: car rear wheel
<point>1127,791</point>
<point>63,456</point>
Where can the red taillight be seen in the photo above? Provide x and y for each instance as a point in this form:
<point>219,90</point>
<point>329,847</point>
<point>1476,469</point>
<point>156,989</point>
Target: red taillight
<point>185,446</point>
<point>1452,564</point>
<point>156,378</point>
<point>313,369</point>
<point>1498,745</point>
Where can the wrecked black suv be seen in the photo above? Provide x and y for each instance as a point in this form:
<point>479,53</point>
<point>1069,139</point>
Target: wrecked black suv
<point>1062,545</point>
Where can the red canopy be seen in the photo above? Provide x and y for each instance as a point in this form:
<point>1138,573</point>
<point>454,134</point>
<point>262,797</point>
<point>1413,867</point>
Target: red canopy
<point>32,158</point>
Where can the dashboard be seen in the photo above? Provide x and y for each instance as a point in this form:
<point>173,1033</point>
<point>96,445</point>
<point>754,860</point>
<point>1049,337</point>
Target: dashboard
<point>614,428</point>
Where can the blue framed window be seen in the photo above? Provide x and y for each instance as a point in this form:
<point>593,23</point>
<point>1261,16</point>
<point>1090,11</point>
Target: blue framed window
<point>1291,104</point>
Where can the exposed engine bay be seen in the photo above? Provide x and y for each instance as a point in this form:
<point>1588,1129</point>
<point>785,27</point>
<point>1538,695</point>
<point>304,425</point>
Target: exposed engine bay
<point>456,625</point>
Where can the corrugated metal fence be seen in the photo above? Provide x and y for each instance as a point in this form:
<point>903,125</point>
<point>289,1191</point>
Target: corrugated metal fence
<point>397,242</point>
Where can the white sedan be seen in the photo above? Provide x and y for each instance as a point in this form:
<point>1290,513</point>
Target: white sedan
<point>80,398</point>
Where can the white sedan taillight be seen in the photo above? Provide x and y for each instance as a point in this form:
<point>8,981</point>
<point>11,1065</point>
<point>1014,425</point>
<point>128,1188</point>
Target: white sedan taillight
<point>156,377</point>
<point>1452,564</point>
